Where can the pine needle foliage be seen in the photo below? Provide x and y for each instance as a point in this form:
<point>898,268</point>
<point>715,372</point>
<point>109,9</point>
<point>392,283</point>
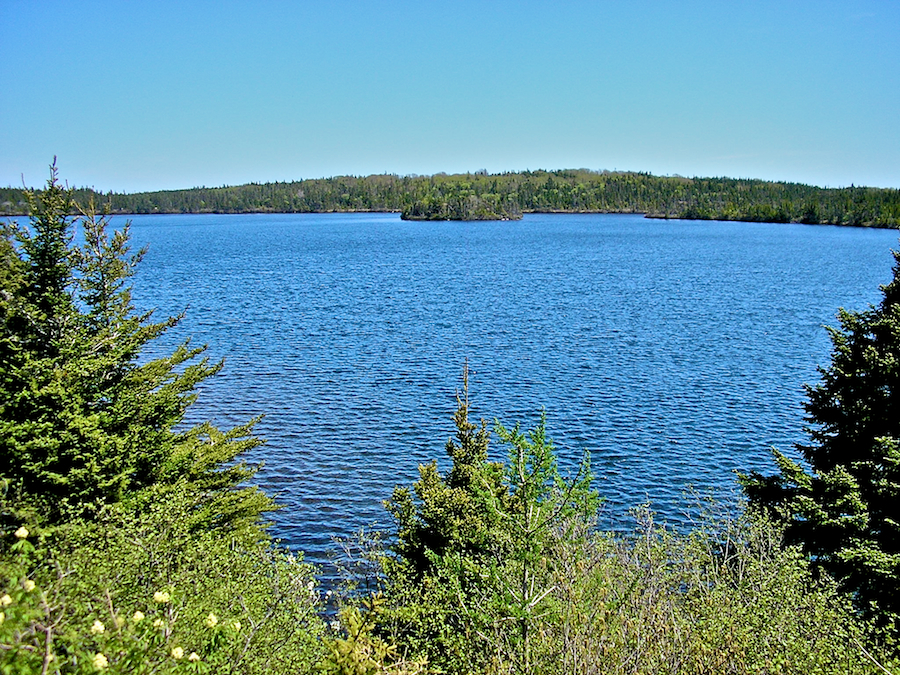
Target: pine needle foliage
<point>845,510</point>
<point>84,421</point>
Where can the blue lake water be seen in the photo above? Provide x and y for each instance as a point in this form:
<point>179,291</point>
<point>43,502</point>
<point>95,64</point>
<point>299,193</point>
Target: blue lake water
<point>674,351</point>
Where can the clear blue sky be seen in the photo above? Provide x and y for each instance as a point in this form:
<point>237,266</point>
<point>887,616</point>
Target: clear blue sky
<point>154,95</point>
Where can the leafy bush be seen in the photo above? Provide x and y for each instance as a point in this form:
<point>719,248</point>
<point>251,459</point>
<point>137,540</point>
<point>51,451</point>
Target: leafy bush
<point>471,551</point>
<point>151,595</point>
<point>724,598</point>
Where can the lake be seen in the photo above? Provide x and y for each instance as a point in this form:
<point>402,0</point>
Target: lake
<point>673,351</point>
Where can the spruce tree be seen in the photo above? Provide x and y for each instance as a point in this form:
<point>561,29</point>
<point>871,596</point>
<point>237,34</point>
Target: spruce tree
<point>84,421</point>
<point>845,509</point>
<point>455,515</point>
<point>473,544</point>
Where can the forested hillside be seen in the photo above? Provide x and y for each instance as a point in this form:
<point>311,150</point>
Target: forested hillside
<point>575,191</point>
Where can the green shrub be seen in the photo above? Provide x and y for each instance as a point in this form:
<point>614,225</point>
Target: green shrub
<point>724,598</point>
<point>471,549</point>
<point>159,590</point>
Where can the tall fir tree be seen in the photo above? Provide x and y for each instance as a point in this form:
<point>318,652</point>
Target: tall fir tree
<point>83,420</point>
<point>845,511</point>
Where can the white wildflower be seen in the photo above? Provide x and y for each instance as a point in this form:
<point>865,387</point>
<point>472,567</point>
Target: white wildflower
<point>22,533</point>
<point>98,627</point>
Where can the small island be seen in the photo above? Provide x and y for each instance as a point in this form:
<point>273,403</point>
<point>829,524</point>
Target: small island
<point>463,207</point>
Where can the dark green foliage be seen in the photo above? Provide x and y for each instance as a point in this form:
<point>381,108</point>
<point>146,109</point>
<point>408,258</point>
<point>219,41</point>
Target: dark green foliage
<point>845,512</point>
<point>506,195</point>
<point>462,204</point>
<point>83,422</point>
<point>445,537</point>
<point>454,514</point>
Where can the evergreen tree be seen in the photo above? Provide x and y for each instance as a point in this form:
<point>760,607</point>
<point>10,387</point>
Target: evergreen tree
<point>845,512</point>
<point>455,516</point>
<point>83,422</point>
<point>473,545</point>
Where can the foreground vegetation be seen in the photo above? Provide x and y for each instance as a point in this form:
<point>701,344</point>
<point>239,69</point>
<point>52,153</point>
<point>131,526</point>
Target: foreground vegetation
<point>500,568</point>
<point>506,195</point>
<point>131,544</point>
<point>844,511</point>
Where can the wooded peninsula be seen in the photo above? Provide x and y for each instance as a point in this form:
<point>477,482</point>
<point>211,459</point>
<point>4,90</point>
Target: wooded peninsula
<point>484,196</point>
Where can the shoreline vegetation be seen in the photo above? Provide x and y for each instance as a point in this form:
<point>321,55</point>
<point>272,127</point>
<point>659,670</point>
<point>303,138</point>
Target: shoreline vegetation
<point>463,206</point>
<point>506,196</point>
<point>131,544</point>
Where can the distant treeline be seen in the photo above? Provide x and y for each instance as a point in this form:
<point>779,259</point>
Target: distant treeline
<point>569,191</point>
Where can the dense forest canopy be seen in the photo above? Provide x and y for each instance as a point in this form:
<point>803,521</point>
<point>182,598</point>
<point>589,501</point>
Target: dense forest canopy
<point>567,191</point>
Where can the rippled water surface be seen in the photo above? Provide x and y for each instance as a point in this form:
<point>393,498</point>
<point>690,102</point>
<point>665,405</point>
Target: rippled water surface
<point>674,351</point>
